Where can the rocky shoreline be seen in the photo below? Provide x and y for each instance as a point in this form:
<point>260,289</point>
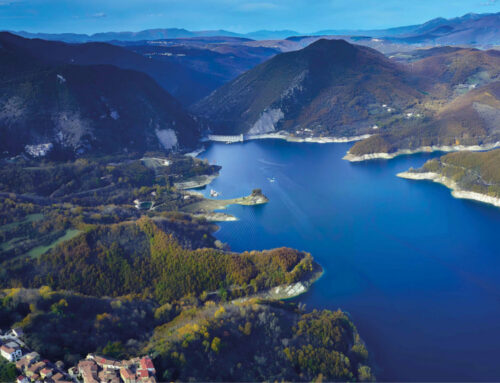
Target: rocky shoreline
<point>318,140</point>
<point>206,208</point>
<point>456,191</point>
<point>289,291</point>
<point>196,182</point>
<point>423,149</point>
<point>283,135</point>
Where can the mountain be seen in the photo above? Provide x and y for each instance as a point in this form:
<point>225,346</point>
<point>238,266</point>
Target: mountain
<point>467,115</point>
<point>184,83</point>
<point>148,34</point>
<point>458,66</point>
<point>470,29</point>
<point>71,109</point>
<point>154,34</point>
<point>271,35</point>
<point>331,87</point>
<point>222,61</point>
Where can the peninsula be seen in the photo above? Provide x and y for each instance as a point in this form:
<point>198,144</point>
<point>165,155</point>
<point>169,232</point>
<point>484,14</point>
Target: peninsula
<point>206,208</point>
<point>469,175</point>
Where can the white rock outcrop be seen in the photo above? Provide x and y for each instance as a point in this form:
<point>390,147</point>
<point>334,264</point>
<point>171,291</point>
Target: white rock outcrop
<point>39,150</point>
<point>167,138</point>
<point>267,121</point>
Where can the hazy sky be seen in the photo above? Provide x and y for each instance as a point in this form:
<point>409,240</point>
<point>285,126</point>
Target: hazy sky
<point>88,16</point>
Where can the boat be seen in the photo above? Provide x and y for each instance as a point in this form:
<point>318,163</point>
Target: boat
<point>271,179</point>
<point>213,193</point>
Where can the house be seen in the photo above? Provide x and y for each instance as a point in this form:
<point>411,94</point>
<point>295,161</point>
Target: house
<point>88,371</point>
<point>33,370</point>
<point>147,364</point>
<point>23,363</point>
<point>33,357</point>
<point>57,377</point>
<point>10,353</point>
<point>22,379</point>
<point>109,376</point>
<point>46,373</point>
<point>142,373</point>
<point>108,363</point>
<point>127,375</point>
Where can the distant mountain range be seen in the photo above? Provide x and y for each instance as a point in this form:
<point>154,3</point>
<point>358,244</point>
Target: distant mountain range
<point>50,104</point>
<point>156,34</point>
<point>470,29</point>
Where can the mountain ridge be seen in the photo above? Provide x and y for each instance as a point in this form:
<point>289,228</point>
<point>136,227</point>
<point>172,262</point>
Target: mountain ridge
<point>66,109</point>
<point>299,89</point>
<point>409,33</point>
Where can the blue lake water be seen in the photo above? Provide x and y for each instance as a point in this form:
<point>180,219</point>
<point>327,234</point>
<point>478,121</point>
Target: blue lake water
<point>417,269</point>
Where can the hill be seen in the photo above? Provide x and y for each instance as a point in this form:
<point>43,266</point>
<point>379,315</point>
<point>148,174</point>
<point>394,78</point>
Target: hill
<point>331,87</point>
<point>74,109</point>
<point>470,29</point>
<point>456,66</point>
<point>184,83</point>
<point>469,175</point>
<point>460,112</point>
<point>221,59</point>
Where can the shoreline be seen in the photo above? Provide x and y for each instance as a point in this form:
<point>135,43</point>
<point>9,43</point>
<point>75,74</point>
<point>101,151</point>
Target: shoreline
<point>197,182</point>
<point>289,291</point>
<point>423,149</point>
<point>456,191</point>
<point>282,135</point>
<point>206,208</point>
<point>216,216</point>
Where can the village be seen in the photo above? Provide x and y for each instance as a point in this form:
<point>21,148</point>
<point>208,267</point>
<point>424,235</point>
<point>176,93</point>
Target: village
<point>32,368</point>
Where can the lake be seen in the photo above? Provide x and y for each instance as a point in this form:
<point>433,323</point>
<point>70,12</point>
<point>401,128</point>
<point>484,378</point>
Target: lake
<point>417,269</point>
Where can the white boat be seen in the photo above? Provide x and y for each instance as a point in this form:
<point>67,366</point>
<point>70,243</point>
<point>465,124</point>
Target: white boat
<point>213,193</point>
<point>271,179</point>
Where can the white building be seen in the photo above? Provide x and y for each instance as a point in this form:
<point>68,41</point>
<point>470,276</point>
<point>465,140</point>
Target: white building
<point>10,353</point>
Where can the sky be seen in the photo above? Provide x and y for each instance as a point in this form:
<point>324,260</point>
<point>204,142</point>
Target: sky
<point>90,16</point>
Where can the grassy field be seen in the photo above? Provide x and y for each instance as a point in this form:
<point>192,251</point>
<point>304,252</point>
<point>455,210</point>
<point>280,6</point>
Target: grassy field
<point>39,250</point>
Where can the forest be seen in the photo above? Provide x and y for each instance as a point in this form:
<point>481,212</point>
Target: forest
<point>84,270</point>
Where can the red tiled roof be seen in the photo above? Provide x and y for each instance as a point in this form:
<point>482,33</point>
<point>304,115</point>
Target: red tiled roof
<point>7,349</point>
<point>147,363</point>
<point>143,373</point>
<point>127,374</point>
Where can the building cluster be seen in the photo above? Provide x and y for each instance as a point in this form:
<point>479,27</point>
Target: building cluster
<point>93,369</point>
<point>96,369</point>
<point>29,364</point>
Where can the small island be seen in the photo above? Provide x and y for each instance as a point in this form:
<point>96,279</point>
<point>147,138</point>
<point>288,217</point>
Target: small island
<point>470,175</point>
<point>206,207</point>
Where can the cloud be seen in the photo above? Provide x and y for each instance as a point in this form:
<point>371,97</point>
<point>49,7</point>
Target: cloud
<point>98,15</point>
<point>488,3</point>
